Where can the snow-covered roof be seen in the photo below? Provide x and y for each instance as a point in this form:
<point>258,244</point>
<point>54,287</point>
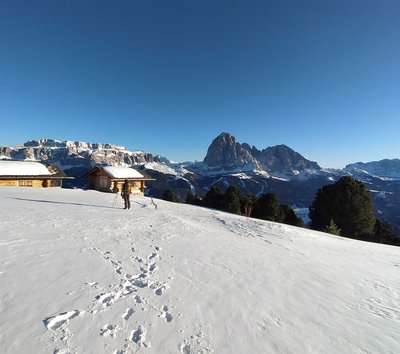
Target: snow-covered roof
<point>23,168</point>
<point>122,172</point>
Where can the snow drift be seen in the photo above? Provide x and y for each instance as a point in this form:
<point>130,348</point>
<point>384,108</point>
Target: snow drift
<point>80,275</point>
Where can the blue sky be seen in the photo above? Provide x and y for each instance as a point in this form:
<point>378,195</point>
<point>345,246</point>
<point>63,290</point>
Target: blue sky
<point>322,77</point>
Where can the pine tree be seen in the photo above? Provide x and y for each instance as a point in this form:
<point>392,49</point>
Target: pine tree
<point>231,200</point>
<point>290,217</point>
<point>383,231</point>
<point>247,204</point>
<point>193,199</point>
<point>170,196</point>
<point>190,198</point>
<point>267,208</point>
<point>348,203</point>
<point>332,228</point>
<point>213,198</point>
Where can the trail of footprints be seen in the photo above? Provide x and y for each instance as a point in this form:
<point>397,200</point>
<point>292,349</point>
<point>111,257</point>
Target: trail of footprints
<point>129,285</point>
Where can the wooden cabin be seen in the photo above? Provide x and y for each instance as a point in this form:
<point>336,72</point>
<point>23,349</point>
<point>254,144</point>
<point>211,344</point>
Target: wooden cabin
<point>111,178</point>
<point>30,174</point>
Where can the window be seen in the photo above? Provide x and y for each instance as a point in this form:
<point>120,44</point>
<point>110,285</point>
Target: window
<point>23,183</point>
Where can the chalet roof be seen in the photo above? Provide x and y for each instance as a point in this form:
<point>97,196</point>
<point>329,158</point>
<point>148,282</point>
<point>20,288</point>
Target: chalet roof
<point>32,169</point>
<point>121,172</point>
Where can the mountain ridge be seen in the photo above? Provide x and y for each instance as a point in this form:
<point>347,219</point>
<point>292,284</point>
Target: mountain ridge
<point>277,169</point>
<point>278,161</point>
<point>225,154</point>
<point>75,157</point>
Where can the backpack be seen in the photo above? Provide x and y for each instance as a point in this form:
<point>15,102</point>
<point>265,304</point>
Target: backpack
<point>127,188</point>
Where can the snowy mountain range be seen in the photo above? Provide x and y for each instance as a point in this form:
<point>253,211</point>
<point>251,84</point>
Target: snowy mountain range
<point>81,275</point>
<point>75,157</point>
<point>384,169</point>
<point>279,169</point>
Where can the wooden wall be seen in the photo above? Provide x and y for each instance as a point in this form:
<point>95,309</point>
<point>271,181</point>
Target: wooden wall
<point>100,181</point>
<point>36,183</point>
<point>6,182</point>
<point>137,186</point>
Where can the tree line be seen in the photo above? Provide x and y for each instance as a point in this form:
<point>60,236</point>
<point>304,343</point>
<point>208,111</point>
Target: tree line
<point>265,207</point>
<point>343,209</point>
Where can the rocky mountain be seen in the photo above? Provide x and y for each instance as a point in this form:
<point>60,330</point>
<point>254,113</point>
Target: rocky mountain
<point>388,169</point>
<point>75,157</point>
<point>281,159</point>
<point>277,169</point>
<point>225,154</point>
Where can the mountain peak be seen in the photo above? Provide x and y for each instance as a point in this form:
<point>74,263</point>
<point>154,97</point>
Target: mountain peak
<point>226,154</point>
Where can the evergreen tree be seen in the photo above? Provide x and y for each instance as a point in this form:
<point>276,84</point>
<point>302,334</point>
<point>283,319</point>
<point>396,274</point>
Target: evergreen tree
<point>383,231</point>
<point>332,228</point>
<point>231,200</point>
<point>290,217</point>
<point>348,203</point>
<point>267,208</point>
<point>193,199</point>
<point>213,198</point>
<point>190,198</point>
<point>247,204</point>
<point>170,196</point>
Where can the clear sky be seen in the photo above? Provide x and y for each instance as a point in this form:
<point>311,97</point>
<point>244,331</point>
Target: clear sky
<point>166,76</point>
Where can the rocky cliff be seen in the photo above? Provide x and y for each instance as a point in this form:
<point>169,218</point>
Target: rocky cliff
<point>226,154</point>
<point>75,157</point>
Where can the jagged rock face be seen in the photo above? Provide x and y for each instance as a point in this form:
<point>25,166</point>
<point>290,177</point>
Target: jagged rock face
<point>283,159</point>
<point>227,154</point>
<point>72,145</point>
<point>75,157</point>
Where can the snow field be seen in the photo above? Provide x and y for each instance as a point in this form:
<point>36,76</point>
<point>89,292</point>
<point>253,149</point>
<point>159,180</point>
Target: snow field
<point>80,275</point>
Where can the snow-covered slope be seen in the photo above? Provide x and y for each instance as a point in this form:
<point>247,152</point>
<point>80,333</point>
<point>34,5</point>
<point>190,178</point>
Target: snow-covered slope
<point>383,169</point>
<point>80,275</point>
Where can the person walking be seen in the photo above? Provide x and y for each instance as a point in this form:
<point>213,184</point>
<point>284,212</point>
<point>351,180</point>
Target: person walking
<point>125,193</point>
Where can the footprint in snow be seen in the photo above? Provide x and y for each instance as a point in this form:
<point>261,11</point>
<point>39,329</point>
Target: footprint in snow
<point>63,318</point>
<point>128,313</point>
<point>138,336</point>
<point>158,288</point>
<point>107,299</point>
<point>165,314</point>
<point>151,256</point>
<point>152,267</point>
<point>109,331</point>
